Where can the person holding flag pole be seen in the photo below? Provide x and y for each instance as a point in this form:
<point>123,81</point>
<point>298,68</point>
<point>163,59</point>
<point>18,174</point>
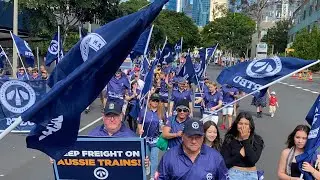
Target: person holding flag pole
<point>285,68</point>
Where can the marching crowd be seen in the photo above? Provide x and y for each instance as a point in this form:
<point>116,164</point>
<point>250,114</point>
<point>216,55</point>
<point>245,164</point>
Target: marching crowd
<point>27,74</point>
<point>194,148</point>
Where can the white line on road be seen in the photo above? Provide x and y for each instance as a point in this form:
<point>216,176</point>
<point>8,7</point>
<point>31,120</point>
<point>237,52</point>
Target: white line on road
<point>298,87</point>
<point>90,124</point>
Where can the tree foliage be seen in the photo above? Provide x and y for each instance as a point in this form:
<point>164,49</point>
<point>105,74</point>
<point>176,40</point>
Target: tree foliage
<point>233,33</point>
<point>277,36</point>
<point>132,6</point>
<point>175,25</point>
<point>307,46</point>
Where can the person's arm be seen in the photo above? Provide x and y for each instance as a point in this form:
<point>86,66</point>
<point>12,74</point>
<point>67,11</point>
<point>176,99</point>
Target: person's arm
<point>162,172</point>
<point>171,108</point>
<point>253,154</point>
<point>191,109</point>
<point>222,171</point>
<point>217,106</point>
<point>307,167</point>
<point>199,100</point>
<point>167,135</point>
<point>282,166</point>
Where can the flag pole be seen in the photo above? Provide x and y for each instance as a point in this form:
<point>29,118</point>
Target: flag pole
<point>181,43</point>
<point>164,45</point>
<point>145,112</point>
<point>59,44</point>
<point>38,58</point>
<point>5,55</point>
<point>148,41</point>
<point>263,87</point>
<point>25,70</point>
<point>11,127</point>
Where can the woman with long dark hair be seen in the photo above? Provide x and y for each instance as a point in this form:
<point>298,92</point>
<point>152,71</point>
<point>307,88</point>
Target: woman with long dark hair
<point>288,167</point>
<point>212,135</point>
<point>242,148</point>
<point>132,96</point>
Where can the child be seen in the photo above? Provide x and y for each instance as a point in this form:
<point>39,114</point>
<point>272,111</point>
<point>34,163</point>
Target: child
<point>273,102</point>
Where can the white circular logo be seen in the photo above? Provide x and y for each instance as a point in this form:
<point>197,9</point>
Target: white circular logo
<point>53,48</point>
<point>195,125</point>
<point>27,46</point>
<point>93,41</point>
<point>17,96</point>
<point>100,173</point>
<point>264,67</point>
<point>209,176</point>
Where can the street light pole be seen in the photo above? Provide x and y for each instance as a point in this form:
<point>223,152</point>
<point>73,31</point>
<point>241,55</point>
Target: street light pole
<point>15,31</point>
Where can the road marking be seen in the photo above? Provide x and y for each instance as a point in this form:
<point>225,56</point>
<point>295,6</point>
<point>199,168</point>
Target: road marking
<point>90,124</point>
<point>298,87</point>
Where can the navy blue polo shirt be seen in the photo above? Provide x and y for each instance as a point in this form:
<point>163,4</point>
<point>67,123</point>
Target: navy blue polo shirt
<point>212,100</point>
<point>175,127</point>
<point>176,165</point>
<point>178,95</point>
<point>123,132</point>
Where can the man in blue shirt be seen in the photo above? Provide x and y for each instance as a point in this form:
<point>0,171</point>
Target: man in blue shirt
<point>192,160</point>
<point>116,88</point>
<point>112,123</point>
<point>229,94</point>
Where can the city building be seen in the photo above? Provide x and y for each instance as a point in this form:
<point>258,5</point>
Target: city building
<point>201,12</point>
<point>306,16</point>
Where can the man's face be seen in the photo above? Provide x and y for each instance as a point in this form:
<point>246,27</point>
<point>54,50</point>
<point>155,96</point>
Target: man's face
<point>118,74</point>
<point>183,113</point>
<point>192,143</point>
<point>112,121</point>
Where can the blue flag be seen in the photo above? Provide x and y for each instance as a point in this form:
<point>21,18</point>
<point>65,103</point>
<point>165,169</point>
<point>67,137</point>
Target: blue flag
<point>53,50</point>
<point>167,55</point>
<point>57,115</point>
<point>312,148</point>
<point>144,66</point>
<point>178,46</point>
<point>23,47</point>
<point>187,71</point>
<point>250,76</point>
<point>211,51</point>
<point>142,42</point>
<point>16,97</point>
<point>199,70</point>
<point>2,58</point>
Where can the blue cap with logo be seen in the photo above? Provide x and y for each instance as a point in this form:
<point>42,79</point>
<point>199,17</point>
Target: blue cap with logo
<point>193,127</point>
<point>112,108</point>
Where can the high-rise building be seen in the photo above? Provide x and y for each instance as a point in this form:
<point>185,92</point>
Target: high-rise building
<point>216,8</point>
<point>174,5</point>
<point>201,12</point>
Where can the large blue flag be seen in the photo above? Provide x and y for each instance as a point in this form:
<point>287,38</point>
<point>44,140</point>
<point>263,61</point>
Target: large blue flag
<point>142,42</point>
<point>57,115</point>
<point>53,50</point>
<point>187,71</point>
<point>23,47</point>
<point>199,70</point>
<point>250,76</point>
<point>312,148</point>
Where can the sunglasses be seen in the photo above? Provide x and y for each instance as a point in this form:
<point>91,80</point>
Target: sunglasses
<point>182,110</point>
<point>155,100</point>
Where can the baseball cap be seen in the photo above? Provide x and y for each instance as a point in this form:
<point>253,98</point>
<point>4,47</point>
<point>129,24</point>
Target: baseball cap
<point>155,96</point>
<point>193,127</point>
<point>119,70</point>
<point>182,104</point>
<point>273,93</point>
<point>112,107</point>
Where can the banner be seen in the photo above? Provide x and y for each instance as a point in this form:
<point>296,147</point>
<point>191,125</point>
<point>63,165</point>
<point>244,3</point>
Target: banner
<point>103,158</point>
<point>17,96</point>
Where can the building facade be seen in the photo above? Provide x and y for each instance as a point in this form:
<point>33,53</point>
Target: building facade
<point>306,16</point>
<point>201,12</point>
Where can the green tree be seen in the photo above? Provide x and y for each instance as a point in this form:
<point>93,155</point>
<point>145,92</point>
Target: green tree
<point>307,46</point>
<point>175,25</point>
<point>277,37</point>
<point>132,6</point>
<point>233,33</point>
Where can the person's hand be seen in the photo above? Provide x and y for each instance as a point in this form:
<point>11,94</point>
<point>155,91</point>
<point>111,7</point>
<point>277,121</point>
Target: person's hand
<point>146,161</point>
<point>191,115</point>
<point>317,164</point>
<point>307,167</point>
<point>51,160</point>
<point>141,131</point>
<point>244,132</point>
<point>231,93</point>
<point>213,109</point>
<point>179,133</point>
<point>242,152</point>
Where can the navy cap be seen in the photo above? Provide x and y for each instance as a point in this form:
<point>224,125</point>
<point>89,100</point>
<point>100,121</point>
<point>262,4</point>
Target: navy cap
<point>183,104</point>
<point>155,96</point>
<point>112,108</point>
<point>193,127</point>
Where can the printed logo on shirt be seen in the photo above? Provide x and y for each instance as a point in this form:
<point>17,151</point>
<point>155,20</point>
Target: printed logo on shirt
<point>209,176</point>
<point>195,125</point>
<point>264,67</point>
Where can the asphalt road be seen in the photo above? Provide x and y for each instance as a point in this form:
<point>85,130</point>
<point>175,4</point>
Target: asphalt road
<point>18,162</point>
